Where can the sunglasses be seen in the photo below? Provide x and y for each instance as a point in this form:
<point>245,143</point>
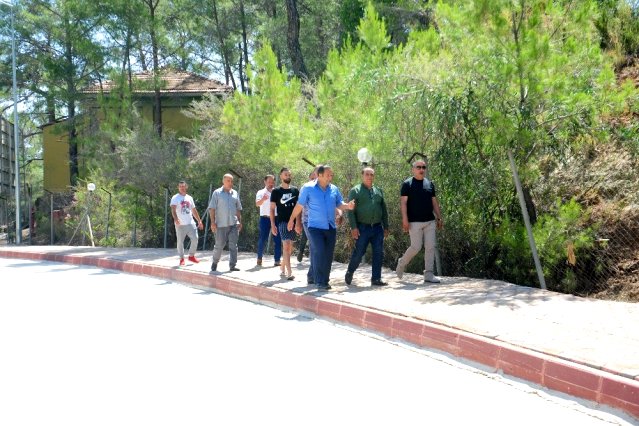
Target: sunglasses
<point>421,167</point>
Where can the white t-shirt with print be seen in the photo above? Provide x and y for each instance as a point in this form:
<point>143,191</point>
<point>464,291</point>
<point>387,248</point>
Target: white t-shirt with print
<point>184,204</point>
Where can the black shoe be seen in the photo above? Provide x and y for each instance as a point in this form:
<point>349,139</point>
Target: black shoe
<point>214,267</point>
<point>233,269</point>
<point>324,287</point>
<point>276,264</point>
<point>348,278</point>
<point>300,257</point>
<point>379,283</point>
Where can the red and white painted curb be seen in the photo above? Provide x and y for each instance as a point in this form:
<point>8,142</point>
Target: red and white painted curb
<point>549,371</point>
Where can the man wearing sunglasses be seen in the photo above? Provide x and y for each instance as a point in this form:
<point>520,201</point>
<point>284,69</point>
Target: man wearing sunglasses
<point>421,216</point>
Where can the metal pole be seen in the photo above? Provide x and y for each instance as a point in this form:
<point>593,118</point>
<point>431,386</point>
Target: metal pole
<point>207,217</point>
<point>108,215</point>
<point>135,221</point>
<point>166,206</point>
<point>50,215</point>
<point>4,213</point>
<point>16,133</point>
<point>524,212</point>
<point>30,213</point>
<point>51,221</point>
<point>90,195</point>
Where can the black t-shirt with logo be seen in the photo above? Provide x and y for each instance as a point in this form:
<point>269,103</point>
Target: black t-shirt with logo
<point>285,200</point>
<point>420,200</point>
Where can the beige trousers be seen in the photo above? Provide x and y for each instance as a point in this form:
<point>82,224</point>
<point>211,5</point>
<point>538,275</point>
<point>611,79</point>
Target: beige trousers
<point>422,234</point>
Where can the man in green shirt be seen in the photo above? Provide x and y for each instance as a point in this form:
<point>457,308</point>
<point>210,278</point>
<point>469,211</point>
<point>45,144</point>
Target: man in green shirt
<point>369,224</point>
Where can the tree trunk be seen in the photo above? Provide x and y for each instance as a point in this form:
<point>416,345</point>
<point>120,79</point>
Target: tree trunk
<point>240,69</point>
<point>271,11</point>
<point>244,49</point>
<point>69,76</point>
<point>228,74</point>
<point>293,40</point>
<point>157,104</point>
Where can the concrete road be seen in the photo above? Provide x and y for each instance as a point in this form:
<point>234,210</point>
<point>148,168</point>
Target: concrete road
<point>86,346</point>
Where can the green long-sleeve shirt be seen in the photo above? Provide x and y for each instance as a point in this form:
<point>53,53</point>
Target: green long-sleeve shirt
<point>370,207</point>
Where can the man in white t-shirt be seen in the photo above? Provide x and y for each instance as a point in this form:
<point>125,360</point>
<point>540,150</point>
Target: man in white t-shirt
<point>183,211</point>
<point>263,201</point>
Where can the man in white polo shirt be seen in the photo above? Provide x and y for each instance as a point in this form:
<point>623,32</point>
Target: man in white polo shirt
<point>263,201</point>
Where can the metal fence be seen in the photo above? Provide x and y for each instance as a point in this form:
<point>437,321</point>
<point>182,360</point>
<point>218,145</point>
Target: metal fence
<point>597,257</point>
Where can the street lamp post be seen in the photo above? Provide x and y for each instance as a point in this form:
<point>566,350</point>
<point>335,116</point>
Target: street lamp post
<point>16,134</point>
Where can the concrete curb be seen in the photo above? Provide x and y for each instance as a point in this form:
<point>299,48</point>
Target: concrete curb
<point>549,371</point>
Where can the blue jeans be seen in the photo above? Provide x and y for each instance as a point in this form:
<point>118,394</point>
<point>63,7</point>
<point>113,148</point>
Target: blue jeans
<point>322,249</point>
<point>373,234</point>
<point>265,231</point>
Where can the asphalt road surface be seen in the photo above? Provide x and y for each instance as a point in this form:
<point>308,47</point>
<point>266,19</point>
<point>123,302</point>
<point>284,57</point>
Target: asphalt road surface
<point>87,346</point>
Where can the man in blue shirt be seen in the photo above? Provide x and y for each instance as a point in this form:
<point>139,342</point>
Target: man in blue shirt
<point>321,199</point>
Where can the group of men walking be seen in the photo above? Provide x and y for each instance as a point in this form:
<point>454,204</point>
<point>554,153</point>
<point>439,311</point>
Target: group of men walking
<point>314,211</point>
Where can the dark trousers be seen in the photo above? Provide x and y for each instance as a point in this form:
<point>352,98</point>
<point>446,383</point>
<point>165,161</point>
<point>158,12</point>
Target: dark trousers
<point>265,231</point>
<point>373,234</point>
<point>301,246</point>
<point>322,249</point>
<point>310,278</point>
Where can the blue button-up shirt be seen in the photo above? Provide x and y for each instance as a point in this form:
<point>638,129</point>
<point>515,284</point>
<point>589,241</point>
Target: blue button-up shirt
<point>226,205</point>
<point>321,204</point>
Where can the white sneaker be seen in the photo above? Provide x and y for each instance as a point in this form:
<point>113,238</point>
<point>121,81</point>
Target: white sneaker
<point>399,270</point>
<point>430,278</point>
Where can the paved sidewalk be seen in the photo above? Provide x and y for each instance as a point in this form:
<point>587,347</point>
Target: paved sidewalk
<point>483,320</point>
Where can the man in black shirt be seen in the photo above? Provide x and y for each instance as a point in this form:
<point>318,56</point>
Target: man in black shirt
<point>420,217</point>
<point>283,200</point>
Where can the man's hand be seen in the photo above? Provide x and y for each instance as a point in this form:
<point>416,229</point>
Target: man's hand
<point>239,227</point>
<point>440,223</point>
<point>405,225</point>
<point>355,233</point>
<point>274,230</point>
<point>213,227</point>
<point>200,225</point>
<point>177,221</point>
<point>350,205</point>
<point>386,233</point>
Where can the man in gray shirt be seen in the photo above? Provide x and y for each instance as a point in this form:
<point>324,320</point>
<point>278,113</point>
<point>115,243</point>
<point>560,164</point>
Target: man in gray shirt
<point>226,221</point>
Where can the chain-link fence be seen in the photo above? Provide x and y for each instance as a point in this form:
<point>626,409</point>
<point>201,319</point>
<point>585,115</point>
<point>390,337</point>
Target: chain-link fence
<point>585,221</point>
<point>587,239</point>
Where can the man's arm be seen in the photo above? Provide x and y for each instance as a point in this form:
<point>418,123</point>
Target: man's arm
<point>176,219</point>
<point>385,217</point>
<point>238,213</point>
<point>296,212</point>
<point>273,227</point>
<point>404,207</point>
<point>352,221</point>
<point>261,200</point>
<point>213,224</point>
<point>347,206</point>
<point>196,215</point>
<point>438,214</point>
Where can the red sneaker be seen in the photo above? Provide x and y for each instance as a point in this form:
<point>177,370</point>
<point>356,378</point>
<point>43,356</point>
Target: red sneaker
<point>193,259</point>
<point>181,262</point>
